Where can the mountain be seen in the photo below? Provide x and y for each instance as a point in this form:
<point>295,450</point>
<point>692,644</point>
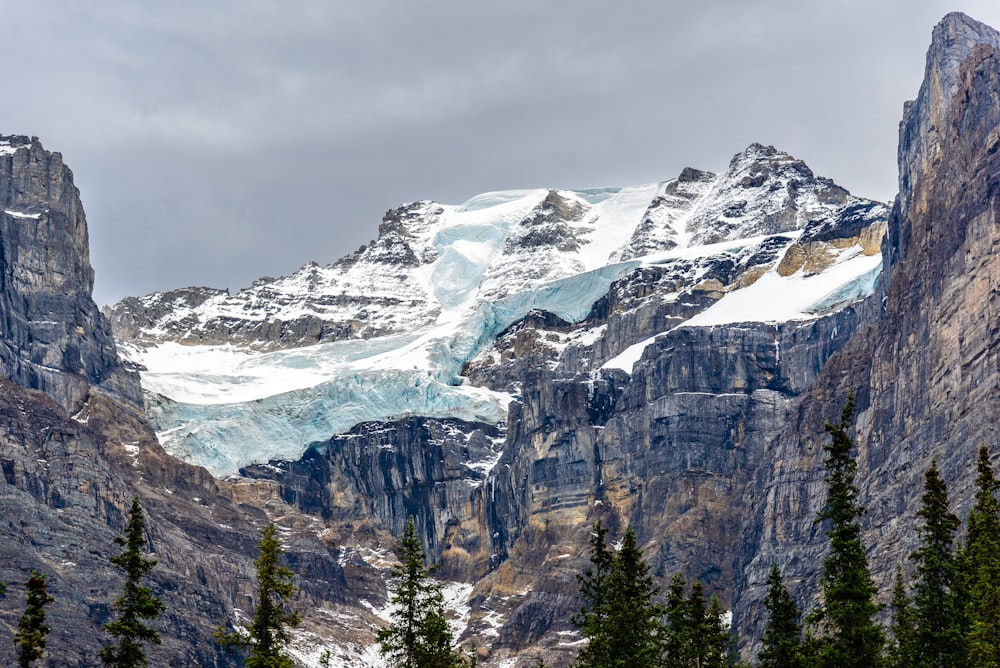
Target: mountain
<point>506,371</point>
<point>395,323</point>
<point>559,370</point>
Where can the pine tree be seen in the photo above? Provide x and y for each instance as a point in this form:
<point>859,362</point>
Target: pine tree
<point>849,636</point>
<point>781,645</point>
<point>31,628</point>
<point>679,639</point>
<point>902,653</point>
<point>591,620</point>
<point>710,648</point>
<point>419,636</point>
<point>936,615</point>
<point>633,620</point>
<point>980,569</point>
<point>268,634</point>
<point>695,635</point>
<point>136,602</point>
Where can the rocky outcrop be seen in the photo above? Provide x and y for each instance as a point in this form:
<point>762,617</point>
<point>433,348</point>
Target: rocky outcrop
<point>52,336</point>
<point>380,474</point>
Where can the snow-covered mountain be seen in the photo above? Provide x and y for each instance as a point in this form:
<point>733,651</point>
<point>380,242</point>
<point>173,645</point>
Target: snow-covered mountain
<point>386,332</point>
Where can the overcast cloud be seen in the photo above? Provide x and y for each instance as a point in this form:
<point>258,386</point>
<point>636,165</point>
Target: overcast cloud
<point>217,142</point>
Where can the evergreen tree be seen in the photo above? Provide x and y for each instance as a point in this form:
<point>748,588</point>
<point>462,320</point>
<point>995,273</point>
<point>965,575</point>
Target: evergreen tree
<point>31,628</point>
<point>136,602</point>
<point>695,635</point>
<point>902,653</point>
<point>679,639</point>
<point>849,636</point>
<point>937,625</point>
<point>980,567</point>
<point>781,645</point>
<point>710,640</point>
<point>419,636</point>
<point>268,634</point>
<point>591,620</point>
<point>633,627</point>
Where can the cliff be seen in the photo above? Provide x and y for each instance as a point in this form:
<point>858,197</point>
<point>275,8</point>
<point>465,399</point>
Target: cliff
<point>75,447</point>
<point>926,370</point>
<point>52,336</point>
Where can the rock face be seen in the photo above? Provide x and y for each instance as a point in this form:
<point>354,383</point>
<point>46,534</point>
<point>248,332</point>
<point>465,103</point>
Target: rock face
<point>926,371</point>
<point>52,336</point>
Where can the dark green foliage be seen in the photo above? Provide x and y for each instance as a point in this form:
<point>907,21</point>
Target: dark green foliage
<point>695,636</point>
<point>677,638</point>
<point>31,628</point>
<point>619,616</point>
<point>633,620</point>
<point>902,652</point>
<point>591,620</point>
<point>419,636</point>
<point>268,634</point>
<point>781,645</point>
<point>848,635</point>
<point>937,621</point>
<point>136,603</point>
<point>980,569</point>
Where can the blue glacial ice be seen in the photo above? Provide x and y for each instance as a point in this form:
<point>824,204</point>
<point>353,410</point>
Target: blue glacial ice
<point>396,377</point>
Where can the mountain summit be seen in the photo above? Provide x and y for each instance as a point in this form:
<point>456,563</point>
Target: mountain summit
<point>387,330</point>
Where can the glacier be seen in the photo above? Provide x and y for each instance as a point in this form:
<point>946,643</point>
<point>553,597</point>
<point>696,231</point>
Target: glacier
<point>447,280</point>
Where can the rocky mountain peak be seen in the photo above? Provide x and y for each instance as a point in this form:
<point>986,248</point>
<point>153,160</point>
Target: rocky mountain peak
<point>52,337</point>
<point>765,191</point>
<point>955,39</point>
<point>549,224</point>
<point>754,166</point>
<point>406,219</point>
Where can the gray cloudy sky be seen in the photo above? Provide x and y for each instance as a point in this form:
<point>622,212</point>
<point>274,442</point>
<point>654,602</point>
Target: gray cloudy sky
<point>216,142</point>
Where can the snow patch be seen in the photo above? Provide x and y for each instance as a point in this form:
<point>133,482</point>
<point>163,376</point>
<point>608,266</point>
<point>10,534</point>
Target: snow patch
<point>7,149</point>
<point>22,214</point>
<point>626,359</point>
<point>776,298</point>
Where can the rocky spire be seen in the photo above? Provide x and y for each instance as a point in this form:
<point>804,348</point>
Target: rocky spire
<point>52,336</point>
<point>955,39</point>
